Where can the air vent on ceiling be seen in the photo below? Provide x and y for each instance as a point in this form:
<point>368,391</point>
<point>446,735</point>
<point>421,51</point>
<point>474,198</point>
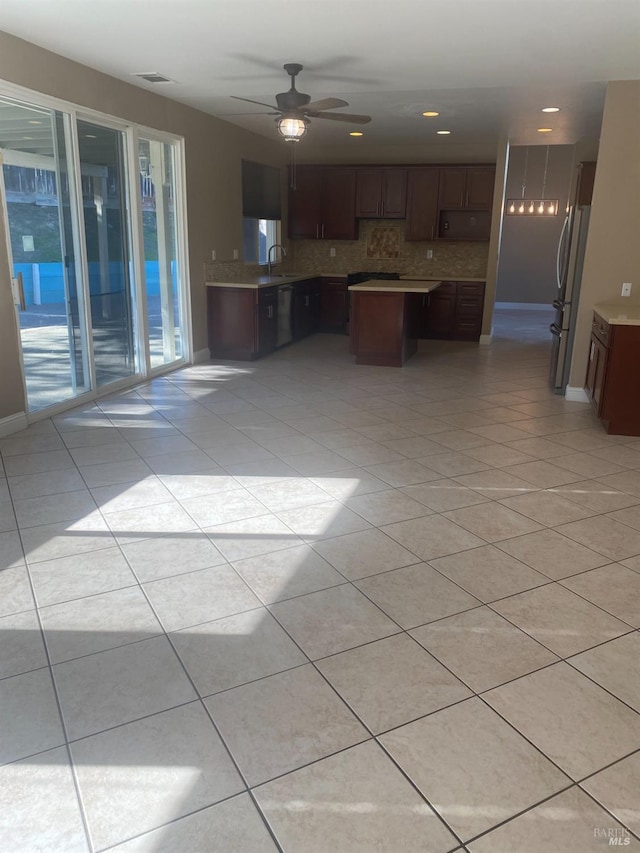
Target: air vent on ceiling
<point>152,77</point>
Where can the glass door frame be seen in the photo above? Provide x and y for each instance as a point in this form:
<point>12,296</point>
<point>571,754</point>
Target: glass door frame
<point>144,371</point>
<point>78,249</point>
<point>184,291</point>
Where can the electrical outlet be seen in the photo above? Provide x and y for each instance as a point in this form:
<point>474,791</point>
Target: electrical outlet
<point>332,252</point>
<point>429,254</point>
<point>213,254</point>
<point>626,288</point>
<point>236,254</point>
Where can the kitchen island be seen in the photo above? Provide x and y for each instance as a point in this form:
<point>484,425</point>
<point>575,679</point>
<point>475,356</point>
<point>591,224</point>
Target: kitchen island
<point>384,328</point>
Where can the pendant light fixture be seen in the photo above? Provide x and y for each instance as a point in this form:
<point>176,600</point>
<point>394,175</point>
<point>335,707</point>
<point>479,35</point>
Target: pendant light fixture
<point>533,206</point>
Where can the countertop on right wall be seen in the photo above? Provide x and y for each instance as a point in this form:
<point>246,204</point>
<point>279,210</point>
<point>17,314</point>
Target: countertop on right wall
<point>619,313</point>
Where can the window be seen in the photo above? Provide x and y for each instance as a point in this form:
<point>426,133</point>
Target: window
<point>261,210</point>
<point>257,236</point>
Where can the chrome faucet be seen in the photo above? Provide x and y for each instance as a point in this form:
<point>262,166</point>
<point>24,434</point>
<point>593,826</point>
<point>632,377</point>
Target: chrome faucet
<point>269,261</point>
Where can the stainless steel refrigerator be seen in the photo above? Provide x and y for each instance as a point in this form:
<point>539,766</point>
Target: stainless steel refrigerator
<point>569,263</point>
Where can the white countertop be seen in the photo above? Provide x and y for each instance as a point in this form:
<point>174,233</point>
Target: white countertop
<point>422,283</point>
<point>619,313</point>
<point>397,286</point>
<point>443,278</point>
<point>258,281</point>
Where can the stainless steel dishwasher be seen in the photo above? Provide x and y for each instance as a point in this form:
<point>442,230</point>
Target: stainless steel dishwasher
<point>285,330</point>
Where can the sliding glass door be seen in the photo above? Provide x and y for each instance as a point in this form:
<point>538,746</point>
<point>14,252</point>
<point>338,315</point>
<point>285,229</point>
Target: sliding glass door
<point>40,213</point>
<point>107,239</point>
<point>92,211</point>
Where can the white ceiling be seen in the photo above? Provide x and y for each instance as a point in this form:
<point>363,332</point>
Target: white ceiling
<point>488,66</point>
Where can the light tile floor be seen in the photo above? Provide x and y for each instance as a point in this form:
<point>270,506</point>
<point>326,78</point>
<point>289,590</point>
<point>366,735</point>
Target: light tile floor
<point>304,605</point>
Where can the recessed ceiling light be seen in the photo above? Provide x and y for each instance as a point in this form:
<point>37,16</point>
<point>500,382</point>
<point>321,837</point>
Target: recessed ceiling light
<point>356,133</point>
<point>550,110</point>
<point>545,129</point>
<point>443,132</point>
<point>430,113</point>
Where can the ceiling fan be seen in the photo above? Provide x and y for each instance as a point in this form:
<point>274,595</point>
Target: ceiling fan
<point>295,109</point>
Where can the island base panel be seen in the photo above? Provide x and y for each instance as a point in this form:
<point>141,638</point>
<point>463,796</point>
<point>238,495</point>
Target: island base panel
<point>380,329</point>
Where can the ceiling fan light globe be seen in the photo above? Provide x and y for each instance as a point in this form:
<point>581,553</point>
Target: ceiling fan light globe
<point>292,129</point>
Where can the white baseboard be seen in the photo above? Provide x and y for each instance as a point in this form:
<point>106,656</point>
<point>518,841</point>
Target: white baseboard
<point>576,395</point>
<point>485,340</point>
<point>525,306</point>
<point>13,423</point>
<point>201,355</point>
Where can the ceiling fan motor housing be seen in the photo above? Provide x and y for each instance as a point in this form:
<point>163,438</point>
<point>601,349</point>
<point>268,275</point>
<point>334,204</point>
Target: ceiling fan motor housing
<point>292,100</point>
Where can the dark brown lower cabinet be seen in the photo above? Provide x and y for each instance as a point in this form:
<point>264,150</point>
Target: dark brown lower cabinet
<point>267,331</point>
<point>453,311</point>
<point>306,308</point>
<point>243,321</point>
<point>469,308</point>
<point>613,375</point>
<point>440,311</point>
<point>334,304</point>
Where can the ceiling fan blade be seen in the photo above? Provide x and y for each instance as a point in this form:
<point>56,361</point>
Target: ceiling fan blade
<point>351,119</point>
<point>260,103</point>
<point>326,104</point>
<point>237,115</point>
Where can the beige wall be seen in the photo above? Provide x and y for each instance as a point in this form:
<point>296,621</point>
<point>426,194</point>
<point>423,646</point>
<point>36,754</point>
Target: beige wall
<point>214,150</point>
<point>613,245</point>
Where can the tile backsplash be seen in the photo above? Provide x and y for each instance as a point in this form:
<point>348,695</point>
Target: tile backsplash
<point>450,259</point>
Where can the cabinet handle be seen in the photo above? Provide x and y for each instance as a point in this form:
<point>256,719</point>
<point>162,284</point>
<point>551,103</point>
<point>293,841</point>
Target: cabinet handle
<point>306,302</point>
<point>382,208</point>
<point>317,231</point>
<point>323,230</point>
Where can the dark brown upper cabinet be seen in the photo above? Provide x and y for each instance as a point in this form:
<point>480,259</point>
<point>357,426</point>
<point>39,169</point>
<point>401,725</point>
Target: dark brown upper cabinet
<point>422,203</point>
<point>381,193</point>
<point>322,206</point>
<point>466,187</point>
